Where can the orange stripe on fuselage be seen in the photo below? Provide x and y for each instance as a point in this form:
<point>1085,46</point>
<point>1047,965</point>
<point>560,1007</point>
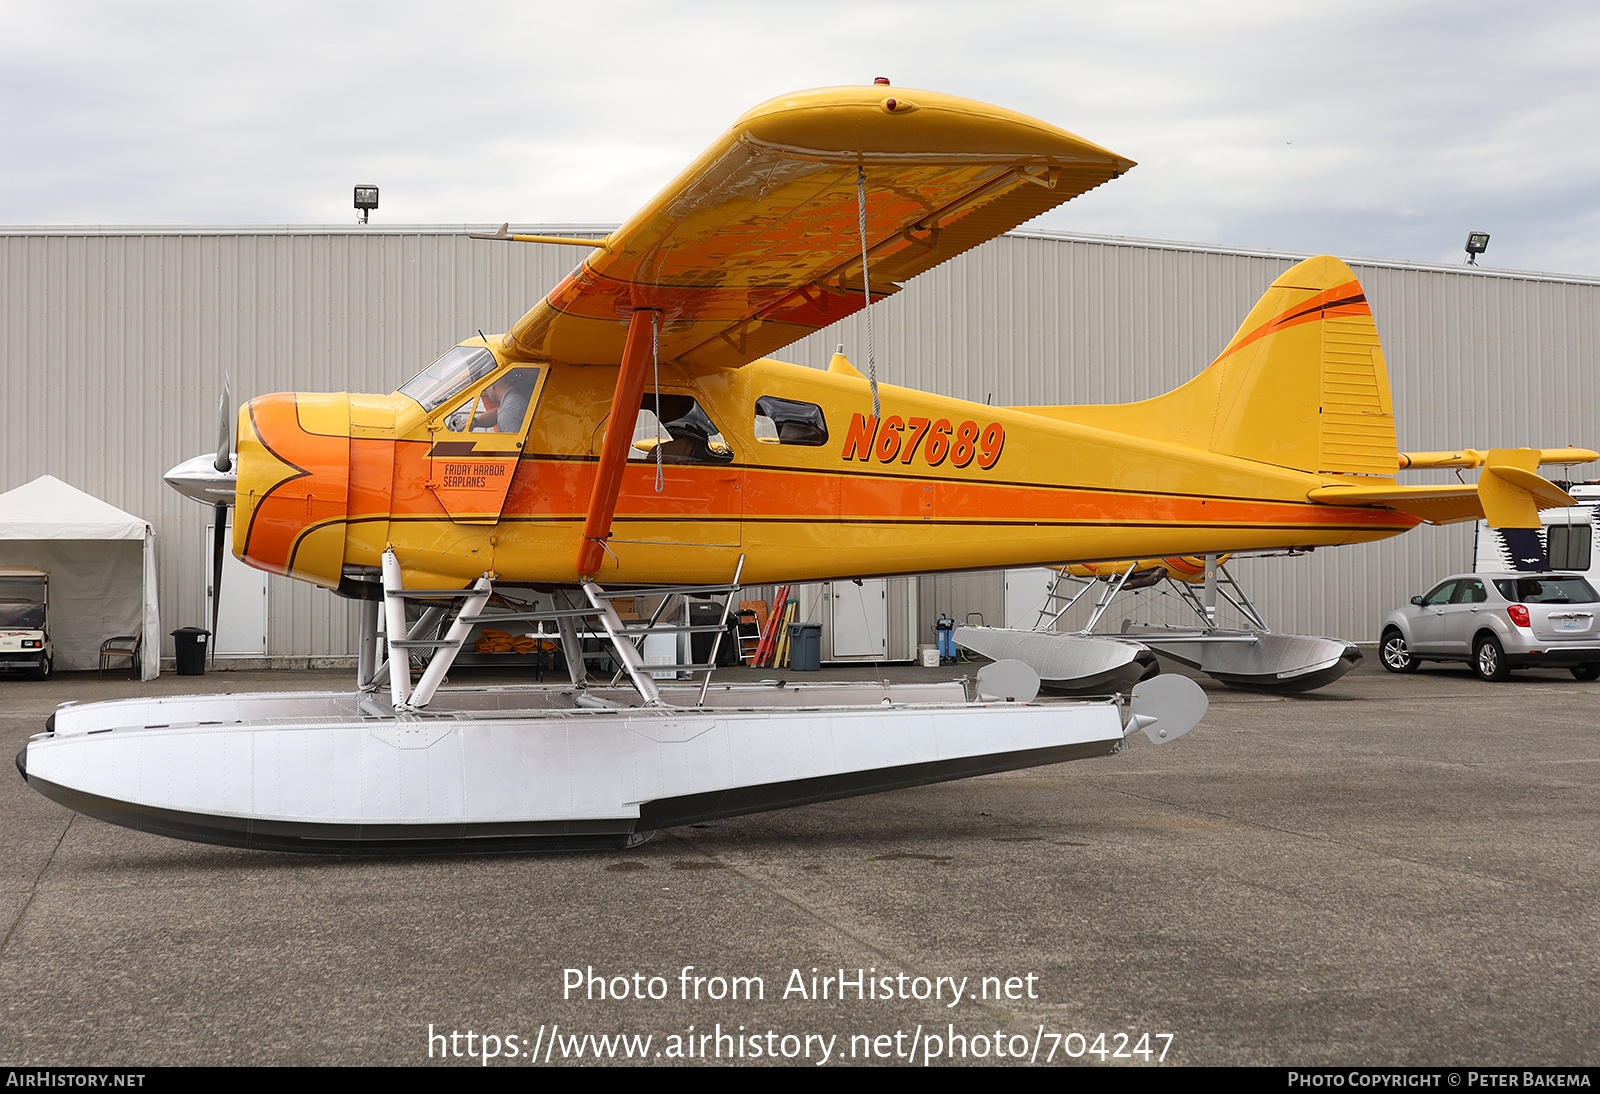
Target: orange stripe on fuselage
<point>772,495</point>
<point>372,465</point>
<point>388,481</point>
<point>554,489</point>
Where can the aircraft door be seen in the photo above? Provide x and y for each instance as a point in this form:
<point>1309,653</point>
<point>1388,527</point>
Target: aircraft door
<point>700,501</point>
<point>473,458</point>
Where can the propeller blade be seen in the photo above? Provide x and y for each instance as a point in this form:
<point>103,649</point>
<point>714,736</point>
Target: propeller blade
<point>219,541</point>
<point>224,461</point>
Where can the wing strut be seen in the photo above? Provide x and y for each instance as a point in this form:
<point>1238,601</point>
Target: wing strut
<point>866,287</point>
<point>636,357</point>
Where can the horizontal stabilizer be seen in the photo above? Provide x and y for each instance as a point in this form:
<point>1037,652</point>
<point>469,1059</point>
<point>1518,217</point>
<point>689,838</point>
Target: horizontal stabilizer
<point>1509,494</point>
<point>1434,504</point>
<point>1471,457</point>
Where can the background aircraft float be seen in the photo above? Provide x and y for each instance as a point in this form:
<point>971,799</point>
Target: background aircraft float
<point>630,432</point>
<point>1085,661</point>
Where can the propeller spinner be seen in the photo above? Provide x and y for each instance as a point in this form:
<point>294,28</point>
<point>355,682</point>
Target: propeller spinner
<point>210,480</point>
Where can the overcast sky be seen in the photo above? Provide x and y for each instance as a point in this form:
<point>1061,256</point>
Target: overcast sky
<point>1379,128</point>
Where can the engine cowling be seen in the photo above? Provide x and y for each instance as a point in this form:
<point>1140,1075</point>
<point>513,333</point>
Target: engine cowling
<point>293,492</point>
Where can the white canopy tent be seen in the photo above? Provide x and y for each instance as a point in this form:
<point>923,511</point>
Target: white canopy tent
<point>102,566</point>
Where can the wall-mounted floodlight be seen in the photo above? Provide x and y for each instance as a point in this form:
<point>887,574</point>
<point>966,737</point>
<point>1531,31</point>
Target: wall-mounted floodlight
<point>1477,243</point>
<point>367,200</point>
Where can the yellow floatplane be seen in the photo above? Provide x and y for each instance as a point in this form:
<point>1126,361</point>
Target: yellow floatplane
<point>631,436</point>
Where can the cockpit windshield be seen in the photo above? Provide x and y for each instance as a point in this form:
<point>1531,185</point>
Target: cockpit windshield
<point>449,375</point>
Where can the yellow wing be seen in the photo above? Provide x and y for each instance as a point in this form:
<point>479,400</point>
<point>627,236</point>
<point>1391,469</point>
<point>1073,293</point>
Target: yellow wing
<point>757,243</point>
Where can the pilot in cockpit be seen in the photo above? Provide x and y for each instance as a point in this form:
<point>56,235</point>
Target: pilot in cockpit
<point>503,406</point>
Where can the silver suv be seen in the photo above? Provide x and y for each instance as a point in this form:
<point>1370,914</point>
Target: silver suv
<point>1496,623</point>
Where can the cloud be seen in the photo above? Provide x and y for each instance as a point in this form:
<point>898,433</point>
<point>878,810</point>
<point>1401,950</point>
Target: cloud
<point>1386,129</point>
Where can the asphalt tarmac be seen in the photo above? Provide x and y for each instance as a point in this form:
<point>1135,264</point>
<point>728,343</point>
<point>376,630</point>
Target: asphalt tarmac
<point>1392,870</point>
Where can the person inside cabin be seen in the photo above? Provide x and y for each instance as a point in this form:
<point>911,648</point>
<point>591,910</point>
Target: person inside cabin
<point>504,404</point>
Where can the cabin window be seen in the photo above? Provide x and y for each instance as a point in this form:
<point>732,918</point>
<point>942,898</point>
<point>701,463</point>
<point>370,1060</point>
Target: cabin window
<point>1440,595</point>
<point>1569,546</point>
<point>449,376</point>
<point>785,421</point>
<point>502,407</point>
<point>684,432</point>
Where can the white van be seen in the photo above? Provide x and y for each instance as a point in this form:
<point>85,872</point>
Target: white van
<point>1567,538</point>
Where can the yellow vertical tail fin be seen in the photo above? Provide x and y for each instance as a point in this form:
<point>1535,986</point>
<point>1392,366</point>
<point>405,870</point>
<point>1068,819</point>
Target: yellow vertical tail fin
<point>1302,384</point>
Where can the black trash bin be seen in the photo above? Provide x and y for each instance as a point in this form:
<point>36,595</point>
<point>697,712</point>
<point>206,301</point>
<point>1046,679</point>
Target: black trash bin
<point>191,650</point>
<point>805,647</point>
<point>704,613</point>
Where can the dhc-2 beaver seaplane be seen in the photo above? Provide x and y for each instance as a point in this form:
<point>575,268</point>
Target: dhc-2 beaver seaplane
<point>629,436</point>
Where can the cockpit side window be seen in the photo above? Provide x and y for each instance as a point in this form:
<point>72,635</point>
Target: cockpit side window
<point>684,432</point>
<point>502,407</point>
<point>786,421</point>
<point>450,375</point>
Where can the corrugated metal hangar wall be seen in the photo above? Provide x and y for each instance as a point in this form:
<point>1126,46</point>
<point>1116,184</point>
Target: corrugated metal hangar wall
<point>116,340</point>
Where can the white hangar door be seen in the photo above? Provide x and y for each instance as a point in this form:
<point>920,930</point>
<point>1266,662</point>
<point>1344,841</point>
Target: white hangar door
<point>860,618</point>
<point>242,622</point>
<point>1027,594</point>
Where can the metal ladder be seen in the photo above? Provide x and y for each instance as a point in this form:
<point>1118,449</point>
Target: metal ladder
<point>1203,600</point>
<point>1220,583</point>
<point>1111,586</point>
<point>628,637</point>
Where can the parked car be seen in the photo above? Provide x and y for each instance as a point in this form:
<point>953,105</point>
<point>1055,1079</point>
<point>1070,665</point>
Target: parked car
<point>1497,622</point>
